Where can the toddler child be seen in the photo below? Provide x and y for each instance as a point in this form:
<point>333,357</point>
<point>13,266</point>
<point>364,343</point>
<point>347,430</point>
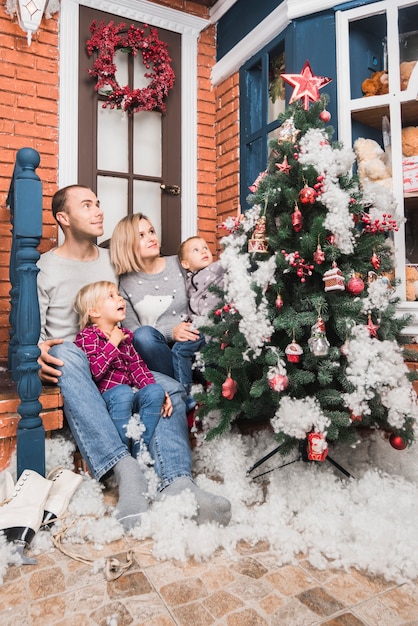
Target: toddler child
<point>202,272</point>
<point>121,375</point>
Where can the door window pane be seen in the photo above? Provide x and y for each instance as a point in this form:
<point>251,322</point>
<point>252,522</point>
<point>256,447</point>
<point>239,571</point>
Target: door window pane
<point>113,195</point>
<point>276,101</point>
<point>147,200</point>
<point>112,140</point>
<point>147,143</point>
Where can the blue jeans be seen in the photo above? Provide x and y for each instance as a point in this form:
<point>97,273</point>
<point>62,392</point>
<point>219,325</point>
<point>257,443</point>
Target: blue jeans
<point>175,361</point>
<point>96,435</point>
<point>154,349</point>
<point>122,402</point>
<point>183,355</point>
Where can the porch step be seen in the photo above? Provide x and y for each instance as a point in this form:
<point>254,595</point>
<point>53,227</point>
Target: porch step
<point>52,414</point>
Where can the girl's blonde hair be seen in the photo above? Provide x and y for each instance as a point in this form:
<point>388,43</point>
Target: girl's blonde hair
<point>89,297</point>
<point>123,244</point>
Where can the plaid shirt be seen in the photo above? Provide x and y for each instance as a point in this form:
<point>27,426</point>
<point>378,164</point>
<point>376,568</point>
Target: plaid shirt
<point>111,366</point>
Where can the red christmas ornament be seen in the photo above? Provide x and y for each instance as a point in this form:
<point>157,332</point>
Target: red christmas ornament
<point>397,442</point>
<point>306,85</point>
<point>278,382</point>
<point>279,302</point>
<point>307,195</point>
<point>318,255</point>
<point>325,116</point>
<point>375,261</point>
<point>355,418</point>
<point>297,220</point>
<point>372,328</point>
<point>283,167</point>
<point>229,388</point>
<point>317,447</point>
<point>355,285</point>
<point>293,352</point>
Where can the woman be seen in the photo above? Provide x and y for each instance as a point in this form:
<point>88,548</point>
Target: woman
<point>155,292</point>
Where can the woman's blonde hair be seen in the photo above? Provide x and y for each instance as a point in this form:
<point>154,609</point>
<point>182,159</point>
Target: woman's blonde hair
<point>123,244</point>
<point>89,297</point>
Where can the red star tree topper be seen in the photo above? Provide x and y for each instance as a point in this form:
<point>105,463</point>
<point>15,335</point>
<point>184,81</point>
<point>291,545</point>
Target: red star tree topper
<point>306,85</point>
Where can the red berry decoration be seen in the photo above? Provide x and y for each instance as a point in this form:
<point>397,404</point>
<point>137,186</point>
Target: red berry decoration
<point>355,285</point>
<point>307,195</point>
<point>397,442</point>
<point>325,116</point>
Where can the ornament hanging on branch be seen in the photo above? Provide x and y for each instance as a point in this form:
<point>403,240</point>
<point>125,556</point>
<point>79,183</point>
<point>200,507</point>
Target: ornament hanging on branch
<point>253,188</point>
<point>307,195</point>
<point>258,242</point>
<point>293,352</point>
<point>325,116</point>
<point>375,261</point>
<point>284,167</point>
<point>318,255</point>
<point>229,388</point>
<point>279,302</point>
<point>355,285</point>
<point>318,342</point>
<point>334,279</point>
<point>297,219</point>
<point>277,377</point>
<point>306,85</point>
<point>287,131</point>
<point>372,328</point>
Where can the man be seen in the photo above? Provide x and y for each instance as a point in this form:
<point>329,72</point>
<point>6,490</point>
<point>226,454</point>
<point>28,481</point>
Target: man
<point>63,271</point>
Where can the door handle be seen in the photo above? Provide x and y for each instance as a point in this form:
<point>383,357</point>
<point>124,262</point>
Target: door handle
<point>172,190</point>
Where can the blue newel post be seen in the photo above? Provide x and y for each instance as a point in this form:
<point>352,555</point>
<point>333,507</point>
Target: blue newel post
<point>27,230</point>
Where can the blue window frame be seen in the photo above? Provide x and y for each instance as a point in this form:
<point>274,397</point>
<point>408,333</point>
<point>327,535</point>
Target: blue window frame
<point>262,99</point>
<point>311,37</point>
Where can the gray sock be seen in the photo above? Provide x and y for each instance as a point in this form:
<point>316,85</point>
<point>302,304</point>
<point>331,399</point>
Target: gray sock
<point>132,489</point>
<point>210,508</point>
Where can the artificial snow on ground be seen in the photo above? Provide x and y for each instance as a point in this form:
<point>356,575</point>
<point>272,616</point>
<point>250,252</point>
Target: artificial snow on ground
<point>368,521</point>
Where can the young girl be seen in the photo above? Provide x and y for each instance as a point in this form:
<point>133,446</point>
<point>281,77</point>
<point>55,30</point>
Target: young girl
<point>121,375</point>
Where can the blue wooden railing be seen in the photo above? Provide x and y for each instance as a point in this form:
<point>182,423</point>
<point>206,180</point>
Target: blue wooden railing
<point>25,203</point>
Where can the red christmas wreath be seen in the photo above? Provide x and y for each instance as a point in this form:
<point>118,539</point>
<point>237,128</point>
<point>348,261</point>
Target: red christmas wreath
<point>106,39</point>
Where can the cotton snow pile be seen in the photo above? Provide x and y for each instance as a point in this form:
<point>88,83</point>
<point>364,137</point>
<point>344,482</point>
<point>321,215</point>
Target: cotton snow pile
<point>367,521</point>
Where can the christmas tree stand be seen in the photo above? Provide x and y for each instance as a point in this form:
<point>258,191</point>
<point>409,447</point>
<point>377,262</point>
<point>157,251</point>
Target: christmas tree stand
<point>303,456</point>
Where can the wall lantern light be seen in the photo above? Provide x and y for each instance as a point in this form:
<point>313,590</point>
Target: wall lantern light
<point>29,13</point>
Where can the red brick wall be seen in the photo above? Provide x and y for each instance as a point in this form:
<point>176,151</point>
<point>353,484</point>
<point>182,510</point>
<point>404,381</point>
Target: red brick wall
<point>28,118</point>
<point>227,149</point>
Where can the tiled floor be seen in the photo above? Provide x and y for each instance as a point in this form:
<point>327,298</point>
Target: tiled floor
<point>249,589</point>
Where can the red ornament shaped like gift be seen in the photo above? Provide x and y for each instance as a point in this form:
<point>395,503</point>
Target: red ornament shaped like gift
<point>307,195</point>
<point>317,447</point>
<point>355,285</point>
<point>397,442</point>
<point>229,388</point>
<point>293,352</point>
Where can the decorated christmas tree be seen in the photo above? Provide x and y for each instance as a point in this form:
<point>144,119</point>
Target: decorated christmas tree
<point>307,334</point>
